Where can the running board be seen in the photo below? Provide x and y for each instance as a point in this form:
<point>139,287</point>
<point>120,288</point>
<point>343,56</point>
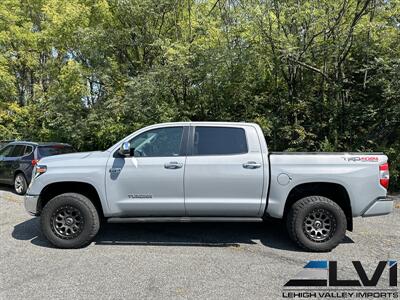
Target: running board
<point>182,219</point>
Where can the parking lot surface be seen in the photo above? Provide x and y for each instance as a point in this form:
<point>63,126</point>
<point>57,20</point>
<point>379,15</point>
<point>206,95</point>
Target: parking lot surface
<point>172,260</point>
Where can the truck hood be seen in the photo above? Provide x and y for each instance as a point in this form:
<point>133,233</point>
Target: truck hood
<point>71,156</point>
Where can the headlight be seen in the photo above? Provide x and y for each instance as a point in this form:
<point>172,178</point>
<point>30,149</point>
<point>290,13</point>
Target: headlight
<point>40,169</point>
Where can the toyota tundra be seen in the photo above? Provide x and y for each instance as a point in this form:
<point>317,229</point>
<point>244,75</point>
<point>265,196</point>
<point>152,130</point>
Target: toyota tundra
<point>207,171</point>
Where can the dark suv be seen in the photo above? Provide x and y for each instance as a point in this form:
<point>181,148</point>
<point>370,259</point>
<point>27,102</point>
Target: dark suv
<point>17,160</point>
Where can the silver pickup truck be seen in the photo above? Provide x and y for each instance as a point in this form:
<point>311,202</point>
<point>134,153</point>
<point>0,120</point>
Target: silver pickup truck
<point>207,171</point>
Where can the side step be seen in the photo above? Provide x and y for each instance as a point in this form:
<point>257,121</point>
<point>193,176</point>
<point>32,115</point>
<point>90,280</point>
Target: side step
<point>182,219</point>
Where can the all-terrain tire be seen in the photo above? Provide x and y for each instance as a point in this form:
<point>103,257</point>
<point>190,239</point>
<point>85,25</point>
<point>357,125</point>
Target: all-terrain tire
<point>306,214</point>
<point>70,220</point>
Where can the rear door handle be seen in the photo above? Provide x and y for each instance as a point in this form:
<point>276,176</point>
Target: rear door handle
<point>173,165</point>
<point>251,165</point>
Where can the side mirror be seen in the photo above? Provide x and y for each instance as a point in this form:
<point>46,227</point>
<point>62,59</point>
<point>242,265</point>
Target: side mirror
<point>125,149</point>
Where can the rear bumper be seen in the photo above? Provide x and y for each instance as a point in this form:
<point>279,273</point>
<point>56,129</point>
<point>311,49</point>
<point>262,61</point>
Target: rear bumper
<point>30,202</point>
<point>379,207</point>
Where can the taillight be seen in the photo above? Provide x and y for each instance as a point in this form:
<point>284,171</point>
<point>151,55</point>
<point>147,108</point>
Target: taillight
<point>34,162</point>
<point>384,175</point>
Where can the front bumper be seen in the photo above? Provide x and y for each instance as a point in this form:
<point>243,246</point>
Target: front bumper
<point>30,202</point>
<point>379,207</point>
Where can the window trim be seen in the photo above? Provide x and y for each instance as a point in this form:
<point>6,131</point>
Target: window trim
<point>183,147</point>
<point>33,149</point>
<point>191,141</point>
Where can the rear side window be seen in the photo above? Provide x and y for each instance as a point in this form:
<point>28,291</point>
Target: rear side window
<point>44,151</point>
<point>219,141</point>
<point>28,150</point>
<point>18,150</point>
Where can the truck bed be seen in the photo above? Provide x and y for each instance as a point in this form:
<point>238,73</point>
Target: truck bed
<point>356,172</point>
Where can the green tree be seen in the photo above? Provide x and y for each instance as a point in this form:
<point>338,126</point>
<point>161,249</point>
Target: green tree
<point>316,75</point>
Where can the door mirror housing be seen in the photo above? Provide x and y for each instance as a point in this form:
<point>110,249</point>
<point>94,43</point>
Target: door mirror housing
<point>125,149</point>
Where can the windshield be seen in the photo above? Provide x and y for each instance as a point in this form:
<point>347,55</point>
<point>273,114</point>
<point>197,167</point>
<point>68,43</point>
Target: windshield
<point>44,151</point>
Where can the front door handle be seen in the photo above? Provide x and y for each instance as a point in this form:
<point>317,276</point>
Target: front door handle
<point>251,165</point>
<point>173,165</point>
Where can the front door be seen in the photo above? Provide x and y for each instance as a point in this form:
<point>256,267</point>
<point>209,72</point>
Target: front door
<point>5,154</point>
<point>150,181</point>
<point>224,172</point>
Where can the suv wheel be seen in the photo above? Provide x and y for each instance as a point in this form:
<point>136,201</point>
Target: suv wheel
<point>316,223</point>
<point>70,221</point>
<point>20,184</point>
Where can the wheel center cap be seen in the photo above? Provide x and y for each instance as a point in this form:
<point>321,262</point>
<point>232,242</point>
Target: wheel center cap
<point>69,221</point>
<point>317,224</point>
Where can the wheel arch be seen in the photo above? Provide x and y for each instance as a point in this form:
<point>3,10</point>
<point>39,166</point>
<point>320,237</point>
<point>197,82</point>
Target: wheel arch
<point>19,171</point>
<point>334,191</point>
<point>57,188</point>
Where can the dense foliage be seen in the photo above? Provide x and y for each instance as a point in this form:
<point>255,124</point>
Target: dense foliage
<point>316,75</point>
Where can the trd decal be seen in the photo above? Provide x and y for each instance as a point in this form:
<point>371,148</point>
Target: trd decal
<point>361,158</point>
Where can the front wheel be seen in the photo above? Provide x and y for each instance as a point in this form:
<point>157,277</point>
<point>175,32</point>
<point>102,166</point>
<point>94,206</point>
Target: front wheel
<point>316,224</point>
<point>70,221</point>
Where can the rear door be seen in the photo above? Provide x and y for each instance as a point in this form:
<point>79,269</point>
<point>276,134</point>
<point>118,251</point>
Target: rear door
<point>224,172</point>
<point>26,162</point>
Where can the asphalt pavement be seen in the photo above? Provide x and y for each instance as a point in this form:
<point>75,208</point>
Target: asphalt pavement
<point>173,260</point>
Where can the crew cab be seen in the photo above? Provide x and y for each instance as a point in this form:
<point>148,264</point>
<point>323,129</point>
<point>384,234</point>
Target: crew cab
<point>207,171</point>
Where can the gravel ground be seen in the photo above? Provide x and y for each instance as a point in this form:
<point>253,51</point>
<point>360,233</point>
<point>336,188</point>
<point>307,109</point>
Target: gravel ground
<point>199,260</point>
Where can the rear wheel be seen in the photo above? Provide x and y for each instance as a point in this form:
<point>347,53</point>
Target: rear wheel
<point>70,221</point>
<point>20,184</point>
<point>316,223</point>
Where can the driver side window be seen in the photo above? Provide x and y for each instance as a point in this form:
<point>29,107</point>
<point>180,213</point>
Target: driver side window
<point>158,142</point>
